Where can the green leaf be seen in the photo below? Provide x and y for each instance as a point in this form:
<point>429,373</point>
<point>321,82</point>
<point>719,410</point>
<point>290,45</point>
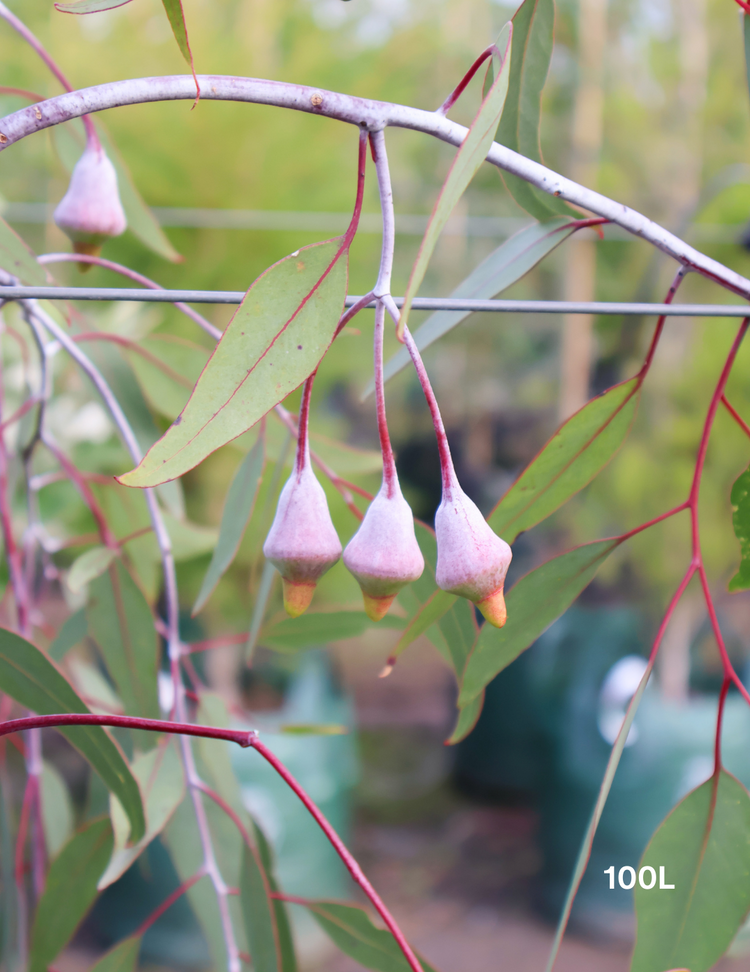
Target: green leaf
<point>533,603</point>
<point>574,455</point>
<point>467,719</point>
<point>189,540</point>
<point>276,338</point>
<point>238,509</point>
<point>89,6</point>
<point>176,16</point>
<point>73,631</point>
<point>320,629</point>
<point>746,36</point>
<point>740,499</point>
<point>704,848</point>
<point>283,926</point>
<point>503,267</point>
<point>469,157</point>
<point>167,368</point>
<point>533,36</point>
<point>121,623</point>
<point>89,566</point>
<point>350,928</point>
<point>258,914</point>
<point>121,958</point>
<point>314,729</point>
<point>162,782</point>
<point>18,258</point>
<point>57,809</point>
<point>69,892</point>
<point>33,681</point>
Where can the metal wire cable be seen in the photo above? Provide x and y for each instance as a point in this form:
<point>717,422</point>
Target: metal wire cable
<point>420,303</point>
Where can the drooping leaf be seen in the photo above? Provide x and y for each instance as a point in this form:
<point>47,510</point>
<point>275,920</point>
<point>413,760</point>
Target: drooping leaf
<point>94,687</point>
<point>275,340</point>
<point>467,719</point>
<point>704,848</point>
<point>167,368</point>
<point>89,566</point>
<point>469,157</point>
<point>33,681</point>
<point>19,259</point>
<point>283,925</point>
<point>189,540</point>
<point>120,958</point>
<point>162,782</point>
<point>350,928</point>
<point>121,623</point>
<point>503,267</point>
<point>57,810</point>
<point>176,16</point>
<point>89,6</point>
<point>238,509</point>
<point>574,455</point>
<point>73,631</point>
<point>314,729</point>
<point>320,629</point>
<point>258,914</point>
<point>533,603</point>
<point>265,586</point>
<point>740,499</point>
<point>431,611</point>
<point>69,892</point>
<point>533,29</point>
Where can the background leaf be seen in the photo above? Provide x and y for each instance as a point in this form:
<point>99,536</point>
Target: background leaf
<point>534,603</point>
<point>88,566</point>
<point>503,267</point>
<point>74,630</point>
<point>121,958</point>
<point>69,892</point>
<point>121,623</point>
<point>258,914</point>
<point>57,809</point>
<point>469,157</point>
<point>33,681</point>
<point>740,498</point>
<point>704,846</point>
<point>89,6</point>
<point>283,926</point>
<point>533,29</point>
<point>276,338</point>
<point>574,455</point>
<point>320,629</point>
<point>238,509</point>
<point>19,259</point>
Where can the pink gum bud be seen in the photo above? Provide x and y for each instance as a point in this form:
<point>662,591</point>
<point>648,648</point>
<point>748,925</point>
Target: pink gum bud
<point>472,560</point>
<point>302,543</point>
<point>384,554</point>
<point>90,211</point>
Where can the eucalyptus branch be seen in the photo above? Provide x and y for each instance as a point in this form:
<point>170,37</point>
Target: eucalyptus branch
<point>368,115</point>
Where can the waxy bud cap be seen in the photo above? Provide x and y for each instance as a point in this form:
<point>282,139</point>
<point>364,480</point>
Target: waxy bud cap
<point>472,560</point>
<point>384,554</point>
<point>90,211</point>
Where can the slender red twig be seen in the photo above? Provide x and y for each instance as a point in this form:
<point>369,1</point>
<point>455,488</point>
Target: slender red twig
<point>167,903</point>
<point>719,722</point>
<point>735,415</point>
<point>108,538</point>
<point>461,86</point>
<point>241,737</point>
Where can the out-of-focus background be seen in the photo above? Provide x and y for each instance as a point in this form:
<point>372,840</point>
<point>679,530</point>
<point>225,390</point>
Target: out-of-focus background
<point>647,102</point>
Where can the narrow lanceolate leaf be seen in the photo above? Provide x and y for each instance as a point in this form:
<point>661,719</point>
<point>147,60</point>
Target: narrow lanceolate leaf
<point>33,681</point>
<point>467,719</point>
<point>176,16</point>
<point>121,958</point>
<point>57,810</point>
<point>431,611</point>
<point>746,35</point>
<point>533,603</point>
<point>121,623</point>
<point>69,892</point>
<point>18,258</point>
<point>571,459</point>
<point>703,849</point>
<point>89,6</point>
<point>277,337</point>
<point>320,629</point>
<point>533,36</point>
<point>238,509</point>
<point>469,157</point>
<point>73,631</point>
<point>89,566</point>
<point>162,780</point>
<point>503,267</point>
<point>740,498</point>
<point>283,925</point>
<point>258,914</point>
<point>350,928</point>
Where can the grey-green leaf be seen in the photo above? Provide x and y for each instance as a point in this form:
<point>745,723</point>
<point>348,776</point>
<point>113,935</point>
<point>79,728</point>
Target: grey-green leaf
<point>704,848</point>
<point>34,682</point>
<point>320,629</point>
<point>121,958</point>
<point>258,914</point>
<point>69,892</point>
<point>73,631</point>
<point>238,509</point>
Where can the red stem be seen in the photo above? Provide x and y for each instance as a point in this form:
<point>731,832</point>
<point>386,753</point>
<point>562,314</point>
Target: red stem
<point>461,86</point>
<point>351,865</point>
<point>719,721</point>
<point>241,737</point>
<point>221,802</point>
<point>20,412</point>
<point>678,278</point>
<point>303,442</point>
<point>167,903</point>
<point>735,415</point>
<point>390,478</point>
<point>108,538</point>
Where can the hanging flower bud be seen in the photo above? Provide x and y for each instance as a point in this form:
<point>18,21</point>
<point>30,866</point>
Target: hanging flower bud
<point>384,554</point>
<point>472,560</point>
<point>302,543</point>
<point>90,211</point>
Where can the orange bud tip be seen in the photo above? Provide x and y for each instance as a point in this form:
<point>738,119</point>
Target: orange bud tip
<point>388,668</point>
<point>493,608</point>
<point>376,608</point>
<point>297,597</point>
<point>88,249</point>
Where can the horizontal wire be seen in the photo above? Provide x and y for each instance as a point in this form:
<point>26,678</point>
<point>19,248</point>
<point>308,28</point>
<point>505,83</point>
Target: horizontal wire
<point>419,303</point>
